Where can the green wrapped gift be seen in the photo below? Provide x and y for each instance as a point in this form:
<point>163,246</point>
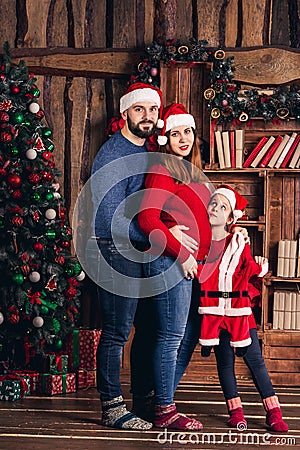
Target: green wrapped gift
<point>10,389</point>
<point>57,363</point>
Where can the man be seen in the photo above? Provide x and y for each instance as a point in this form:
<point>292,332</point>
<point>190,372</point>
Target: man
<point>118,173</point>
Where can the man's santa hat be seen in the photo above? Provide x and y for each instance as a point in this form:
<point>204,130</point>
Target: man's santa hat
<point>175,115</point>
<point>236,201</point>
<point>139,93</point>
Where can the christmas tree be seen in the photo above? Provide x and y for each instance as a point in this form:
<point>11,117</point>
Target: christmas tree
<point>39,295</point>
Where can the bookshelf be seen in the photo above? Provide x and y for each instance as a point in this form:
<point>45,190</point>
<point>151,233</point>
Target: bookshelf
<point>273,214</point>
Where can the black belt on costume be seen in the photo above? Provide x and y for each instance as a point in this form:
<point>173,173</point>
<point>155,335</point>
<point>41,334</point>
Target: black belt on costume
<point>223,294</point>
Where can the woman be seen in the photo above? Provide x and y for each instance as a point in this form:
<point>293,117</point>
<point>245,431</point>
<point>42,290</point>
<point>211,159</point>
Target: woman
<point>175,194</point>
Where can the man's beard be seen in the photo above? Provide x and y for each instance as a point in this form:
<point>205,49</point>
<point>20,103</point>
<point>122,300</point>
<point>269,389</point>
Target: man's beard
<point>134,128</point>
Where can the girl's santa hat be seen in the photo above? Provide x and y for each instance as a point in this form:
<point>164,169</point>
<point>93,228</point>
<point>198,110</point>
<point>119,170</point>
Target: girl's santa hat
<point>142,92</point>
<point>237,202</point>
<point>174,115</point>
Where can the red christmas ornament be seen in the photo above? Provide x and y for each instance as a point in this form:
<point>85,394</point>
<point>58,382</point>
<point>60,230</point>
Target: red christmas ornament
<point>31,75</point>
<point>15,89</point>
<point>5,137</point>
<point>59,260</point>
<point>16,194</point>
<point>65,244</point>
<point>70,293</point>
<point>2,77</point>
<point>38,247</point>
<point>4,117</point>
<point>13,318</point>
<point>6,105</point>
<point>3,172</point>
<point>46,175</point>
<point>40,114</point>
<point>36,216</point>
<point>14,180</point>
<point>34,178</point>
<point>28,95</point>
<point>46,155</point>
<point>25,268</point>
<point>224,102</point>
<point>17,221</point>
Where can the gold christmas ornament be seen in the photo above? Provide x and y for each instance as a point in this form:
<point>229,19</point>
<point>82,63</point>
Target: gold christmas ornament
<point>209,94</point>
<point>183,49</point>
<point>215,113</point>
<point>282,113</point>
<point>243,117</point>
<point>140,67</point>
<point>219,54</point>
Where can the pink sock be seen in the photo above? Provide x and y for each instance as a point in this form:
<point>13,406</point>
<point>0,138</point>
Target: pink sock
<point>168,417</point>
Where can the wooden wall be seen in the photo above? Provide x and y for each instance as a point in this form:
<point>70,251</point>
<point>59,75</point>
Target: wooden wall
<point>82,52</point>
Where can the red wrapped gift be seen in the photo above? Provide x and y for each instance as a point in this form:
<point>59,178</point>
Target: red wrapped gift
<point>53,384</point>
<point>86,378</point>
<point>81,348</point>
<point>34,378</point>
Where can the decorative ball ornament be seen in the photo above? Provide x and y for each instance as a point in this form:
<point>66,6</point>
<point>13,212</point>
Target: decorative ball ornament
<point>34,107</point>
<point>34,277</point>
<point>81,276</point>
<point>34,178</point>
<point>38,246</point>
<point>224,102</point>
<point>215,113</point>
<point>153,71</point>
<point>50,214</point>
<point>31,154</point>
<point>219,54</point>
<point>14,151</point>
<point>15,89</point>
<point>243,117</point>
<point>282,113</point>
<point>38,322</point>
<point>16,194</point>
<point>36,197</point>
<point>77,268</point>
<point>17,117</point>
<point>183,49</point>
<point>49,196</point>
<point>46,175</point>
<point>65,244</point>
<point>209,94</point>
<point>1,318</point>
<point>46,155</point>
<point>14,180</point>
<point>59,344</point>
<point>18,278</point>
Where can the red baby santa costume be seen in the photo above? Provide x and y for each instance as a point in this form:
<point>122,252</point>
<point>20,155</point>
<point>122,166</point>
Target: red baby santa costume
<point>224,300</point>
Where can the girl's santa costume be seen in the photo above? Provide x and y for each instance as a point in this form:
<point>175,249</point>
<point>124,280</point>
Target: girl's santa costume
<point>224,299</point>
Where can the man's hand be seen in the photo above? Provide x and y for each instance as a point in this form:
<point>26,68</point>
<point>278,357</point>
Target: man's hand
<point>190,268</point>
<point>243,231</point>
<point>187,241</point>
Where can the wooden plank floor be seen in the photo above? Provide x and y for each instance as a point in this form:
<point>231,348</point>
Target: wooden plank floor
<point>73,422</point>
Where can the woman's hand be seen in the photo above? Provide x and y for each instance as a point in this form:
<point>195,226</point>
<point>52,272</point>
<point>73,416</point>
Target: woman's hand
<point>190,268</point>
<point>187,241</point>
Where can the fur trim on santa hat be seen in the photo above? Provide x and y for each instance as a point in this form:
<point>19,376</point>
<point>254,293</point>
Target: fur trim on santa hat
<point>236,201</point>
<point>175,115</point>
<point>140,92</point>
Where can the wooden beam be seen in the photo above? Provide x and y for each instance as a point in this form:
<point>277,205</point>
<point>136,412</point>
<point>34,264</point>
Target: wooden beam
<point>256,66</point>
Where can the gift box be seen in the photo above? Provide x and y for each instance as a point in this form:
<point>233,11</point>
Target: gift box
<point>81,347</point>
<point>53,384</point>
<point>86,378</point>
<point>34,379</point>
<point>10,390</point>
<point>50,363</point>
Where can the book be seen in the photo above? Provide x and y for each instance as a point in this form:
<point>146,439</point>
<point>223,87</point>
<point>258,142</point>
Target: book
<point>297,327</point>
<point>226,148</point>
<point>220,152</point>
<point>280,259</point>
<point>290,152</point>
<point>293,310</point>
<point>262,152</point>
<point>285,150</point>
<point>239,148</point>
<point>286,264</point>
<point>271,151</point>
<point>232,148</point>
<point>278,152</point>
<point>255,151</point>
<point>287,316</point>
<point>298,258</point>
<point>295,157</point>
<point>292,259</point>
<point>275,310</point>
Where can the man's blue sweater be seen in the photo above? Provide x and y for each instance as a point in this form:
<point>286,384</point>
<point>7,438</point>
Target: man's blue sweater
<point>118,172</point>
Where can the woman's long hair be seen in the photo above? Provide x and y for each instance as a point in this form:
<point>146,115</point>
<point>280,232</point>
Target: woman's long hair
<point>181,172</point>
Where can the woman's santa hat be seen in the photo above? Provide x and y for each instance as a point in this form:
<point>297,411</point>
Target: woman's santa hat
<point>236,201</point>
<point>142,92</point>
<point>174,115</point>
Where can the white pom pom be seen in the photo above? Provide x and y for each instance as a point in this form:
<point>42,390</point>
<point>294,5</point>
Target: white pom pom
<point>38,322</point>
<point>34,108</point>
<point>50,214</point>
<point>34,277</point>
<point>1,318</point>
<point>31,154</point>
<point>160,123</point>
<point>162,140</point>
<point>81,276</point>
